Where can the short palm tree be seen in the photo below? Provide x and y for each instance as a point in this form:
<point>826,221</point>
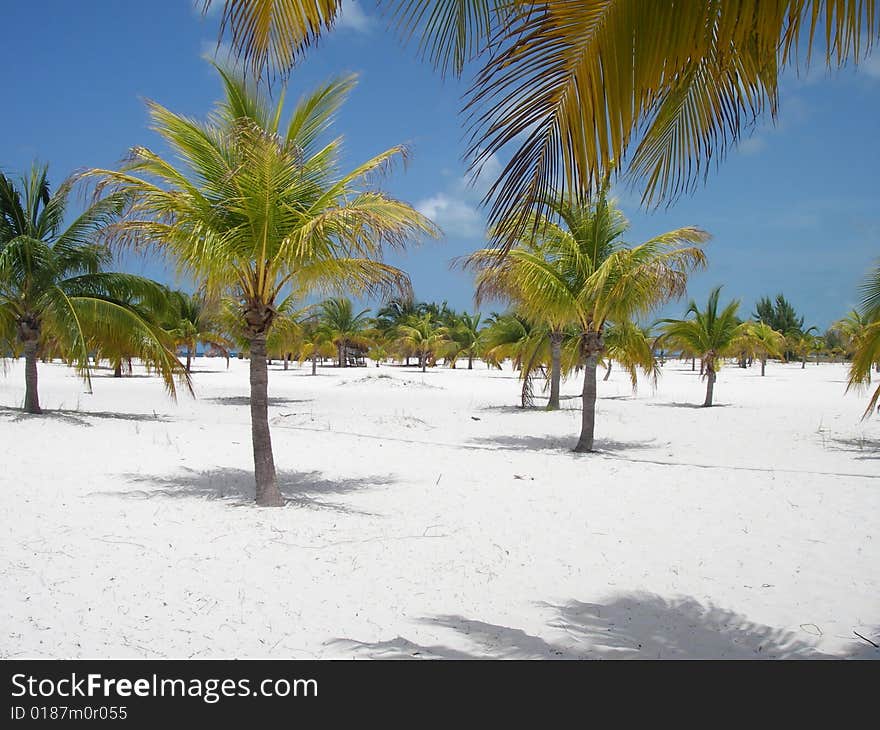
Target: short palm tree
<point>422,336</point>
<point>55,291</point>
<point>464,338</point>
<point>865,336</point>
<point>632,347</point>
<point>347,328</point>
<point>313,341</point>
<point>196,321</point>
<point>761,341</point>
<point>802,342</point>
<point>513,336</point>
<point>252,208</point>
<point>852,329</point>
<point>708,334</point>
<point>578,272</point>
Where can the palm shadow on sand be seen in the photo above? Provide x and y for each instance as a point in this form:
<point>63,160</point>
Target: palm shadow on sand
<point>631,626</point>
<point>557,443</point>
<point>299,488</point>
<point>866,448</point>
<point>244,400</point>
<point>79,418</point>
<point>689,405</point>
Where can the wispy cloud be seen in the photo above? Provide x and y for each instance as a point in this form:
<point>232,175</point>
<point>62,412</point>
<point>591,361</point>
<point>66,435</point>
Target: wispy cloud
<point>753,145</point>
<point>457,208</point>
<point>455,216</point>
<point>871,66</point>
<point>352,17</point>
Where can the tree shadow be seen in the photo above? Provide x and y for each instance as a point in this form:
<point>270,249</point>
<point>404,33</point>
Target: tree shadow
<point>631,626</point>
<point>78,418</point>
<point>688,405</point>
<point>244,400</point>
<point>557,443</point>
<point>867,448</point>
<point>301,489</point>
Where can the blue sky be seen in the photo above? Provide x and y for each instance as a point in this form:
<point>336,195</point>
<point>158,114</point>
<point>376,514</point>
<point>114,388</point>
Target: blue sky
<point>793,209</point>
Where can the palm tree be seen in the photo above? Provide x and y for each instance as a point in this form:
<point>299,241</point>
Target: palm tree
<point>710,335</point>
<point>196,321</point>
<point>576,84</point>
<point>513,336</point>
<point>463,332</point>
<point>55,292</point>
<point>313,341</point>
<point>422,336</point>
<point>632,346</point>
<point>253,208</point>
<point>761,341</point>
<point>852,329</point>
<point>802,342</point>
<point>345,327</point>
<point>865,336</point>
<point>579,272</point>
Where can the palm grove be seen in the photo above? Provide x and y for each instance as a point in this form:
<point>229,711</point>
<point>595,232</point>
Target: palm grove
<point>257,211</point>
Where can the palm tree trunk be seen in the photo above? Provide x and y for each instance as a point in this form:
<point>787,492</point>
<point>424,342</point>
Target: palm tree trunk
<point>803,362</point>
<point>763,366</point>
<point>286,359</point>
<point>588,410</point>
<point>268,494</point>
<point>340,352</point>
<point>424,361</point>
<point>470,361</point>
<point>314,364</point>
<point>693,363</point>
<point>555,369</point>
<point>710,385</point>
<point>117,369</point>
<point>607,372</point>
<point>189,352</point>
<point>31,397</point>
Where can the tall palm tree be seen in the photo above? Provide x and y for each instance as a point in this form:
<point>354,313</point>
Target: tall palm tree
<point>579,272</point>
<point>347,328</point>
<point>708,334</point>
<point>55,291</point>
<point>572,85</point>
<point>252,208</point>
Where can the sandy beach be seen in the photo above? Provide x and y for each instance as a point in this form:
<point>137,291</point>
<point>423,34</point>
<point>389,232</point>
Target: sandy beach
<point>428,516</point>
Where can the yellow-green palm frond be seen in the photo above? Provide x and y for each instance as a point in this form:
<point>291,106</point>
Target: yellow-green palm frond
<point>632,347</point>
<point>272,33</point>
<point>866,357</point>
<point>760,340</point>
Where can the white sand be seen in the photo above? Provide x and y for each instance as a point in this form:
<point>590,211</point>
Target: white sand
<point>430,517</point>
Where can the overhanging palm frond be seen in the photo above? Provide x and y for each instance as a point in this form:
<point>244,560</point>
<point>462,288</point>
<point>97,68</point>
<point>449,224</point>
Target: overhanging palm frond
<point>272,33</point>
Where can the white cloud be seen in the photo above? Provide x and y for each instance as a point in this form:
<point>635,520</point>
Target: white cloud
<point>483,178</point>
<point>455,216</point>
<point>352,17</point>
<point>752,145</point>
<point>871,66</point>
